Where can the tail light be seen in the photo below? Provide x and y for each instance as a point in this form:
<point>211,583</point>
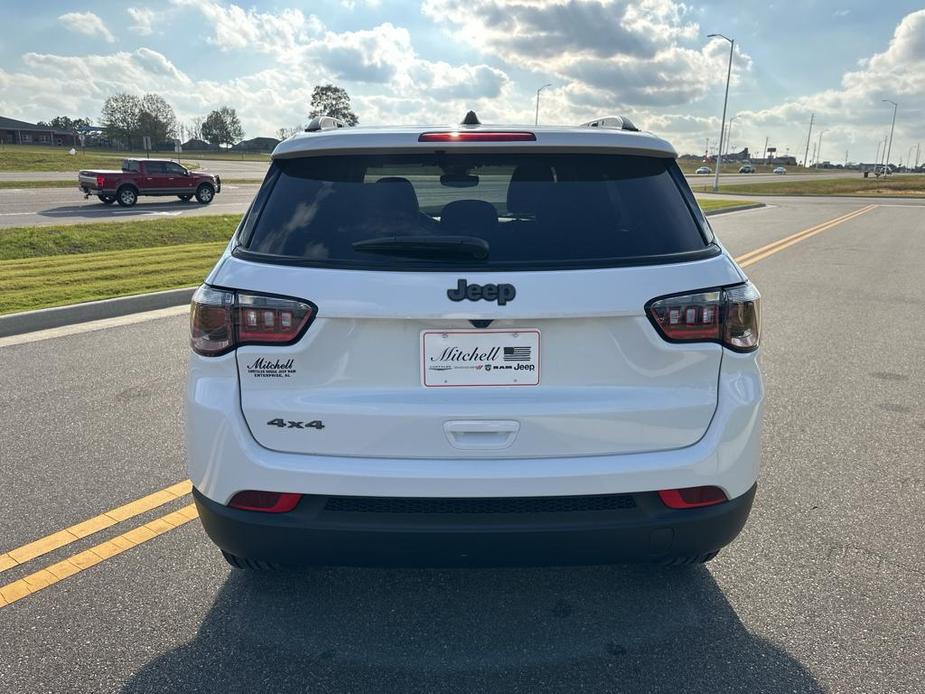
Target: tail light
<point>268,502</point>
<point>477,136</point>
<point>100,181</point>
<point>692,497</point>
<point>730,316</point>
<point>221,320</point>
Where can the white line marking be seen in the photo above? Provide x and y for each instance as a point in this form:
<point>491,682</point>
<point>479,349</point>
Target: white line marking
<point>93,326</point>
<point>13,214</point>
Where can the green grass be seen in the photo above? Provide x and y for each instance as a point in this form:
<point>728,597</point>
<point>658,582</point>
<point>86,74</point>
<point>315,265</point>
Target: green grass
<point>38,158</point>
<point>712,204</point>
<point>72,183</point>
<point>58,280</point>
<point>75,239</point>
<point>894,186</point>
<point>57,265</point>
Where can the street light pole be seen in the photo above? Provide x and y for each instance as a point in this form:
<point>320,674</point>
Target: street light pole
<point>722,127</point>
<point>536,120</point>
<point>892,125</point>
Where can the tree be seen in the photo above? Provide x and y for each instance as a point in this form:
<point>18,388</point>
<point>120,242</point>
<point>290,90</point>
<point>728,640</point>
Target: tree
<point>120,117</point>
<point>222,127</point>
<point>65,123</point>
<point>331,100</point>
<point>285,133</point>
<point>156,118</point>
<point>194,128</point>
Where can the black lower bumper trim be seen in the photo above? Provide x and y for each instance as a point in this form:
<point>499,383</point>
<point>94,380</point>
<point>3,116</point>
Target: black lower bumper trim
<point>314,535</point>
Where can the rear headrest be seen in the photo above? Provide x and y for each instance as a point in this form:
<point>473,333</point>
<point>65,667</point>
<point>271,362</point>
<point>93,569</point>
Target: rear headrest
<point>525,192</point>
<point>468,217</point>
<point>399,195</point>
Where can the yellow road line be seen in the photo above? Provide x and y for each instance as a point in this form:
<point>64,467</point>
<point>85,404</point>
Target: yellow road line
<point>761,253</point>
<point>49,543</point>
<point>76,563</point>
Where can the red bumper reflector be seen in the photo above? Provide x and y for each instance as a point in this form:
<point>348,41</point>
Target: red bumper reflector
<point>692,497</point>
<point>479,136</point>
<point>268,502</point>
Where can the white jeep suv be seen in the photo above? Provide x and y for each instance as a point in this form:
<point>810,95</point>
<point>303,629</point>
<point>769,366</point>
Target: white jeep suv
<point>473,345</point>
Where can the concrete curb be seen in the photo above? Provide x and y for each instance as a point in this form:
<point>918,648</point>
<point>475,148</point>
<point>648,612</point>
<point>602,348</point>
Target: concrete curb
<point>737,208</point>
<point>45,318</point>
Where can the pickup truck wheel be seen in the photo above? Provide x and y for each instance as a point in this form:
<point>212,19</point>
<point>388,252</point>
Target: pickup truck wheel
<point>204,193</point>
<point>107,199</point>
<point>185,197</point>
<point>126,196</point>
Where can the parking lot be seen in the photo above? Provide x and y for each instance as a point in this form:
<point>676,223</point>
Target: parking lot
<point>821,592</point>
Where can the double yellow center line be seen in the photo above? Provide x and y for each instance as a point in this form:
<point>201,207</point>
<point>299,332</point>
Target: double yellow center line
<point>34,582</point>
<point>76,563</point>
<point>761,253</point>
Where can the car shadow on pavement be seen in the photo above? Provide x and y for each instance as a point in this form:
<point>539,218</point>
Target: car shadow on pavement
<point>595,629</point>
<point>94,209</point>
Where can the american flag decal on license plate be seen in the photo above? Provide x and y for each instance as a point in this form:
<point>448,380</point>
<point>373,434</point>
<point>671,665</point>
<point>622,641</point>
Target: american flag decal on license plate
<point>517,354</point>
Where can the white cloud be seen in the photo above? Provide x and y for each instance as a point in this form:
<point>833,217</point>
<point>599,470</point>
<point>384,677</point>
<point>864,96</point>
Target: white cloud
<point>142,20</point>
<point>87,23</point>
<point>642,57</point>
<point>628,53</point>
<point>234,28</point>
<point>853,115</point>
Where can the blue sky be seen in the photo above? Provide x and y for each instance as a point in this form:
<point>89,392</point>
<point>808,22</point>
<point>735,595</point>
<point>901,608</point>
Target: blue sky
<point>429,61</point>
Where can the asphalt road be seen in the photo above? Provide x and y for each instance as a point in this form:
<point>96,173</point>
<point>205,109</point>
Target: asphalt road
<point>822,591</point>
<point>45,206</point>
<point>226,168</point>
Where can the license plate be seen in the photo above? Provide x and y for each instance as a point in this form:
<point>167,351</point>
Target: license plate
<point>480,358</point>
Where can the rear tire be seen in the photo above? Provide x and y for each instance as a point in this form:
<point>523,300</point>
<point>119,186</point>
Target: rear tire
<point>686,561</point>
<point>249,564</point>
<point>127,196</point>
<point>107,199</point>
<point>185,197</point>
<point>205,193</point>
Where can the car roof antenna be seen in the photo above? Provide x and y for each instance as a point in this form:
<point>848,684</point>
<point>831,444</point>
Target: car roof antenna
<point>471,119</point>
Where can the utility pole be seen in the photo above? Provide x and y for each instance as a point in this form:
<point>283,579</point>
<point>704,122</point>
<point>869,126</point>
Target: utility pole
<point>722,127</point>
<point>877,158</point>
<point>536,120</point>
<point>892,126</point>
<point>765,150</point>
<point>814,156</point>
<point>846,158</point>
<point>818,156</point>
<point>809,136</point>
<point>917,155</point>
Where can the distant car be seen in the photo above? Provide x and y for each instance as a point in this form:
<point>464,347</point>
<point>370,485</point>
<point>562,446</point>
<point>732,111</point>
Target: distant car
<point>703,170</point>
<point>148,177</point>
<point>780,170</point>
<point>747,168</point>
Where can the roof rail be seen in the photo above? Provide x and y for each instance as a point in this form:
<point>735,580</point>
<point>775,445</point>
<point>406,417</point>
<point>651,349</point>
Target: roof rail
<point>324,123</point>
<point>616,122</point>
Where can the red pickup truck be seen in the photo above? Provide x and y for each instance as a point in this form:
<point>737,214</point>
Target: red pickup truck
<point>148,177</point>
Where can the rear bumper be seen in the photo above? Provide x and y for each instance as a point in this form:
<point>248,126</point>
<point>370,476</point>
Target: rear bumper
<point>323,530</point>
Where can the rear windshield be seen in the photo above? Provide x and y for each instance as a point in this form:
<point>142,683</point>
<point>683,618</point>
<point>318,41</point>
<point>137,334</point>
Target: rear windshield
<point>439,210</point>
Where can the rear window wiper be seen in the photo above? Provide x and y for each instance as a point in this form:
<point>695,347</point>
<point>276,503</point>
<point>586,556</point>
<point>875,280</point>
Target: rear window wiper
<point>426,246</point>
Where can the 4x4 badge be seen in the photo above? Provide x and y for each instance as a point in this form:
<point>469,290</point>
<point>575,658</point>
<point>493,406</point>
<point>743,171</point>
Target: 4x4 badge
<point>502,293</point>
